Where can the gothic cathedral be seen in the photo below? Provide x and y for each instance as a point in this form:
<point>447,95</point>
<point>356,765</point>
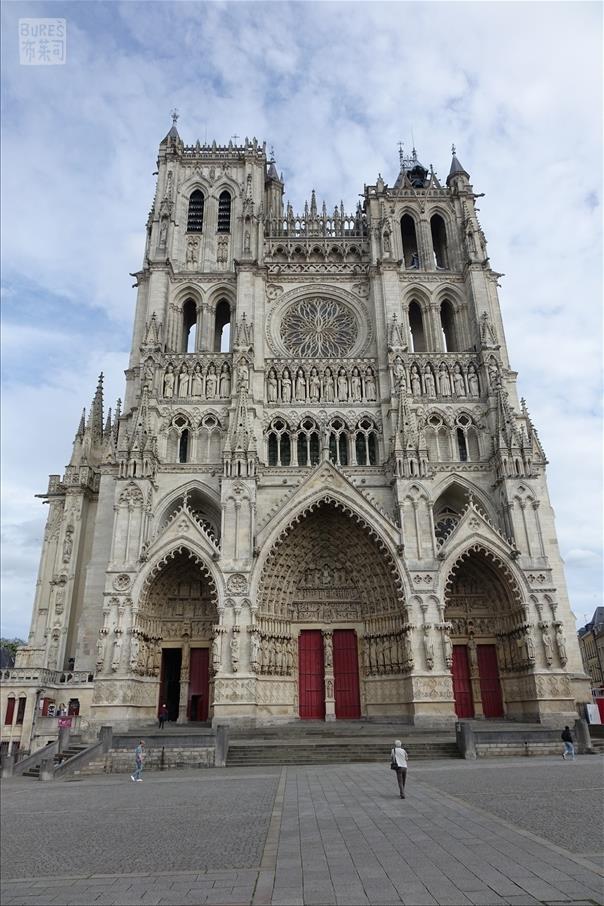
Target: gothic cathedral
<point>322,498</point>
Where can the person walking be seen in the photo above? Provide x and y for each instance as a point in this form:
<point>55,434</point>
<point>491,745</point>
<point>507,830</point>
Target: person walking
<point>398,762</point>
<point>139,757</point>
<point>163,716</point>
<point>569,746</point>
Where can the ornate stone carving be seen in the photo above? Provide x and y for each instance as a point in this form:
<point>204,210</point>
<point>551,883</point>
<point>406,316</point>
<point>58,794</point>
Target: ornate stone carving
<point>319,327</point>
<point>237,584</point>
<point>122,582</point>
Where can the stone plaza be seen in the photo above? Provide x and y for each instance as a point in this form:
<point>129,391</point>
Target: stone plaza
<point>513,831</point>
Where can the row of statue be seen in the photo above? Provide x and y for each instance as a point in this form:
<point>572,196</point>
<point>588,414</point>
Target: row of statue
<point>384,654</point>
<point>330,385</point>
<point>272,655</point>
<point>186,382</point>
<point>433,381</point>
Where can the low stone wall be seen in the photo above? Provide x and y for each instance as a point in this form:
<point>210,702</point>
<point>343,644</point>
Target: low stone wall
<point>499,749</point>
<point>121,761</point>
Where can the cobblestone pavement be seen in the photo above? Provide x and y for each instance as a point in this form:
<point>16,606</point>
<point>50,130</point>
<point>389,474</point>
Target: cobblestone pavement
<point>465,834</point>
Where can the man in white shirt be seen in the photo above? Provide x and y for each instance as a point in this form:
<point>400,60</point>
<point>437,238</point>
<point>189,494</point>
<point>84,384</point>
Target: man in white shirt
<point>398,757</point>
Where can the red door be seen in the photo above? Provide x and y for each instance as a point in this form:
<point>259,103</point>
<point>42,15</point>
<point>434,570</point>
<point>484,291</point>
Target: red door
<point>199,684</point>
<point>311,675</point>
<point>346,674</point>
<point>462,686</point>
<point>490,687</point>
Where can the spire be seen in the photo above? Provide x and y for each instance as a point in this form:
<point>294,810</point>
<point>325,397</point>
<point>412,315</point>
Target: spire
<point>82,425</point>
<point>95,418</point>
<point>456,167</point>
<point>313,204</point>
<point>173,133</point>
<point>272,173</point>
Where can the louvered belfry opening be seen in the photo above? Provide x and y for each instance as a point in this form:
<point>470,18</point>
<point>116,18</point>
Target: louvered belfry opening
<point>195,218</point>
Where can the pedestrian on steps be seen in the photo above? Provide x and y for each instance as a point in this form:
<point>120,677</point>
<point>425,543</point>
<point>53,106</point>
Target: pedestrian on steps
<point>139,757</point>
<point>163,716</point>
<point>569,746</point>
<point>398,762</point>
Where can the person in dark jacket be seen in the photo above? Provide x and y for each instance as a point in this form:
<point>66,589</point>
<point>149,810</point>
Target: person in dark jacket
<point>163,716</point>
<point>569,746</point>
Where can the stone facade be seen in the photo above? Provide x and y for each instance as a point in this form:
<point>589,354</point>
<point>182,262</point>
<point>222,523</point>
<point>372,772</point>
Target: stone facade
<point>320,433</point>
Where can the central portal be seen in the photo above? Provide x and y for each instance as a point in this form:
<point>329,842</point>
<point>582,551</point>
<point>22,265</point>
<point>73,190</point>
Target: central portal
<point>328,671</point>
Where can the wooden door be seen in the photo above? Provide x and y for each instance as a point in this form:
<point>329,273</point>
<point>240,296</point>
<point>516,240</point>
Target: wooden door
<point>199,684</point>
<point>490,687</point>
<point>311,675</point>
<point>346,674</point>
<point>462,685</point>
<point>169,688</point>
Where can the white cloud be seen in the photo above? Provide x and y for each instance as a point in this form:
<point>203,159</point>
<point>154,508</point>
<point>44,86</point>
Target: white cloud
<point>334,86</point>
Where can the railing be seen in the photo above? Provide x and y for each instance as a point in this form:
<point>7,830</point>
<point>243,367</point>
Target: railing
<point>47,677</point>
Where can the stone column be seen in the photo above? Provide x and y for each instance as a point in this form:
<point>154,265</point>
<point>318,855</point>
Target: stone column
<point>184,682</point>
<point>330,701</point>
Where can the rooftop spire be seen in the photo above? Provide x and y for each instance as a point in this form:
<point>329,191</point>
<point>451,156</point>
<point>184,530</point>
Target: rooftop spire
<point>456,167</point>
<point>95,418</point>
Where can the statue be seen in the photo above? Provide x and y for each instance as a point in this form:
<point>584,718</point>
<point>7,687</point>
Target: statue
<point>163,232</point>
<point>254,652</point>
<point>314,386</point>
<point>398,368</point>
<point>370,388</point>
<point>286,387</point>
<point>416,384</point>
<point>458,383</point>
<point>134,649</point>
<point>243,376</point>
<point>547,646</point>
<point>196,381</point>
<point>169,382</point>
<point>117,654</point>
<point>447,648</point>
<point>443,381</point>
<point>473,381</point>
<point>429,383</point>
<point>225,382</point>
<point>234,646</point>
<point>300,386</point>
<point>247,242</point>
<point>100,653</point>
<point>561,644</point>
<point>183,382</point>
<point>493,372</point>
<point>355,386</point>
<point>329,386</point>
<point>191,251</point>
<point>149,374</point>
<point>211,382</point>
<point>342,385</point>
<point>530,648</point>
<point>428,647</point>
<point>387,246</point>
<point>216,652</point>
<point>272,386</point>
<point>68,544</point>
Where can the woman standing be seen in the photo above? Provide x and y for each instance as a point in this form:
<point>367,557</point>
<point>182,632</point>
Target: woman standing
<point>398,758</point>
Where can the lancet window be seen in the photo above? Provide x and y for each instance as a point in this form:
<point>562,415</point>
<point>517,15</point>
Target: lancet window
<point>416,326</point>
<point>447,324</point>
<point>222,327</point>
<point>308,443</point>
<point>195,215</point>
<point>439,241</point>
<point>189,326</point>
<point>224,212</point>
<point>409,238</point>
<point>338,443</point>
<point>279,444</point>
<point>365,441</point>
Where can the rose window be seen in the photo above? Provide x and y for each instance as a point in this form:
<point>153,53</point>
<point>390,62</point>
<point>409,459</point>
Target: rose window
<point>319,328</point>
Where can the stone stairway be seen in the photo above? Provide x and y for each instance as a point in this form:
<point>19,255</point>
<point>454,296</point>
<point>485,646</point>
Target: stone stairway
<point>60,758</point>
<point>340,742</point>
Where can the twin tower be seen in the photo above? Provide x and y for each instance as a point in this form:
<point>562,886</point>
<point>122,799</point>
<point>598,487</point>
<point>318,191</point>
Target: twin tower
<point>321,498</point>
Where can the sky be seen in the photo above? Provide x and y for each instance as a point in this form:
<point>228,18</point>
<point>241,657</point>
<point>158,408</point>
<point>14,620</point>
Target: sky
<point>333,87</point>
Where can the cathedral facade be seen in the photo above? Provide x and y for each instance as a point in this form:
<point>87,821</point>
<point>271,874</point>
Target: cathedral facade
<point>321,498</point>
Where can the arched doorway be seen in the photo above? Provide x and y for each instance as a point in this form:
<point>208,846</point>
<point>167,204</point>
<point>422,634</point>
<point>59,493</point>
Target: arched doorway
<point>331,590</point>
<point>174,628</point>
<point>488,633</point>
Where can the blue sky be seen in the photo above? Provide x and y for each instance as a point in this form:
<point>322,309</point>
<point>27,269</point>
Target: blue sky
<point>334,87</point>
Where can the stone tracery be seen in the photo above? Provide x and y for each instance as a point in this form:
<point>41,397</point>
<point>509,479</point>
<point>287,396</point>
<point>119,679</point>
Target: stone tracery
<point>319,327</point>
